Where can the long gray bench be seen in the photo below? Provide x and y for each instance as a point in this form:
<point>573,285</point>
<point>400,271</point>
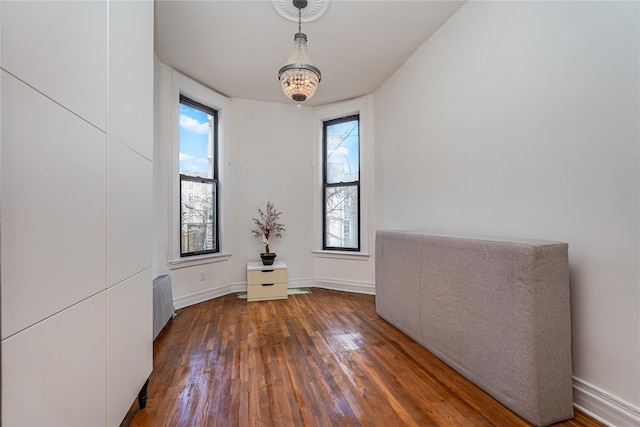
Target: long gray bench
<point>495,310</point>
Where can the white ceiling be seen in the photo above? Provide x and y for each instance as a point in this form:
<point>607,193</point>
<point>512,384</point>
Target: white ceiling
<point>237,47</point>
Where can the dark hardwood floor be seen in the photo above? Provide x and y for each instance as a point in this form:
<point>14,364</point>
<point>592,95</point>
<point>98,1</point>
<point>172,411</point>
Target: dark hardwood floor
<point>322,359</point>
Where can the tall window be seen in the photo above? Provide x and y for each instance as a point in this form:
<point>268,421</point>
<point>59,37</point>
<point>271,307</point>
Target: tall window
<point>341,183</point>
<point>198,148</point>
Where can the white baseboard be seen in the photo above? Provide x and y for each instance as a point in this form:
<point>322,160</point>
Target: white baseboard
<point>604,407</point>
<point>337,285</point>
<point>302,283</point>
<point>206,295</point>
<point>346,285</point>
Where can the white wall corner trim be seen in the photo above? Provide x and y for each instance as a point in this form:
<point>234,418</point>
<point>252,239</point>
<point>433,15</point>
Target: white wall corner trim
<point>603,406</point>
<point>346,285</point>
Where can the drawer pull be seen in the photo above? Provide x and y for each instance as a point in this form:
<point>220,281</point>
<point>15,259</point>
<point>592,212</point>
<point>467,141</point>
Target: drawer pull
<point>268,284</point>
<point>266,271</point>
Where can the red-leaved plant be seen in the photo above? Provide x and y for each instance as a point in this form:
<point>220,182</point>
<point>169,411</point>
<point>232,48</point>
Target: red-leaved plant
<point>267,225</point>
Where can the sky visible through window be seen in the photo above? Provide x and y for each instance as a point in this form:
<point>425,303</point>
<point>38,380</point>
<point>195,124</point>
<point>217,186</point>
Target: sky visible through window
<point>343,151</point>
<point>194,140</point>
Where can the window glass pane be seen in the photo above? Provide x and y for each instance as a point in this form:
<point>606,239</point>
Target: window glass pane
<point>198,226</point>
<point>196,142</point>
<point>341,216</point>
<point>343,155</point>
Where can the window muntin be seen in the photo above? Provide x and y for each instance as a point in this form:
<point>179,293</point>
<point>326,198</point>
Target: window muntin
<point>198,141</point>
<point>341,184</point>
<point>198,225</point>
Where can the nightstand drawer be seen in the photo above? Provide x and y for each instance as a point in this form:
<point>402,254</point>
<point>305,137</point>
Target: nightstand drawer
<point>266,276</point>
<point>266,292</point>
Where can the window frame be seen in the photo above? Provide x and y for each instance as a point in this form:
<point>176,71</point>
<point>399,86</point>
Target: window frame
<point>362,106</point>
<point>326,185</point>
<point>185,100</point>
<point>216,247</point>
<point>196,92</point>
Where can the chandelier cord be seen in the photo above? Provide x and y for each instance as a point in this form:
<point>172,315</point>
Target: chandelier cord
<point>299,19</point>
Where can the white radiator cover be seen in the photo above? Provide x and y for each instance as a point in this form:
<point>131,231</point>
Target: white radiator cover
<point>162,303</point>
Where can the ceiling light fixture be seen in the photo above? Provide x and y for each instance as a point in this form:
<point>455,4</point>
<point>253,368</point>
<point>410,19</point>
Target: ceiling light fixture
<point>299,78</point>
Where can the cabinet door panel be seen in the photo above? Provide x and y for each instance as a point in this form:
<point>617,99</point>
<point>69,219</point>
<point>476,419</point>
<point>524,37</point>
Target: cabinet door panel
<point>54,372</point>
<point>130,343</point>
<point>129,224</point>
<point>60,49</point>
<point>53,207</point>
<point>131,74</point>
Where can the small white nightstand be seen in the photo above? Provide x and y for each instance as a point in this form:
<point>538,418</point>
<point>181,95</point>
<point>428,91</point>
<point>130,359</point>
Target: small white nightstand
<point>266,282</point>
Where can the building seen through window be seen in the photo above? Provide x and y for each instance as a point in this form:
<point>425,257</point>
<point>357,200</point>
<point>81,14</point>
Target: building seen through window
<point>341,172</point>
<point>198,178</point>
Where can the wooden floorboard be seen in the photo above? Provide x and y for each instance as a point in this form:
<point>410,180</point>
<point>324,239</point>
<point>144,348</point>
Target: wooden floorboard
<point>319,359</point>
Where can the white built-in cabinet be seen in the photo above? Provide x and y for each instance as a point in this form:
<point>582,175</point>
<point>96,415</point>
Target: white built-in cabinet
<point>76,131</point>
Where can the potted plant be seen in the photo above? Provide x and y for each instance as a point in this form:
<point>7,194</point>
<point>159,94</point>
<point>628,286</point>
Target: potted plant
<point>267,227</point>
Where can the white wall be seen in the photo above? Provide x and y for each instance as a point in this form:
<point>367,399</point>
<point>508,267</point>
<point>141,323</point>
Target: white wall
<point>342,270</point>
<point>521,119</point>
<point>271,160</point>
<point>186,283</point>
<point>268,157</point>
<point>77,103</point>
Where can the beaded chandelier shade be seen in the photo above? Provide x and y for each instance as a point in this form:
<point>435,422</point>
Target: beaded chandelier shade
<point>299,78</point>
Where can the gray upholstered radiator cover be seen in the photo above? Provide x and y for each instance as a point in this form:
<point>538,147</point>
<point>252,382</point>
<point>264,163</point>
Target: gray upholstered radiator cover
<point>495,310</point>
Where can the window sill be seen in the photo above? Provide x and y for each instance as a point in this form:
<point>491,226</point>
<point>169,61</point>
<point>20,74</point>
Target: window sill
<point>197,260</point>
<point>356,256</point>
